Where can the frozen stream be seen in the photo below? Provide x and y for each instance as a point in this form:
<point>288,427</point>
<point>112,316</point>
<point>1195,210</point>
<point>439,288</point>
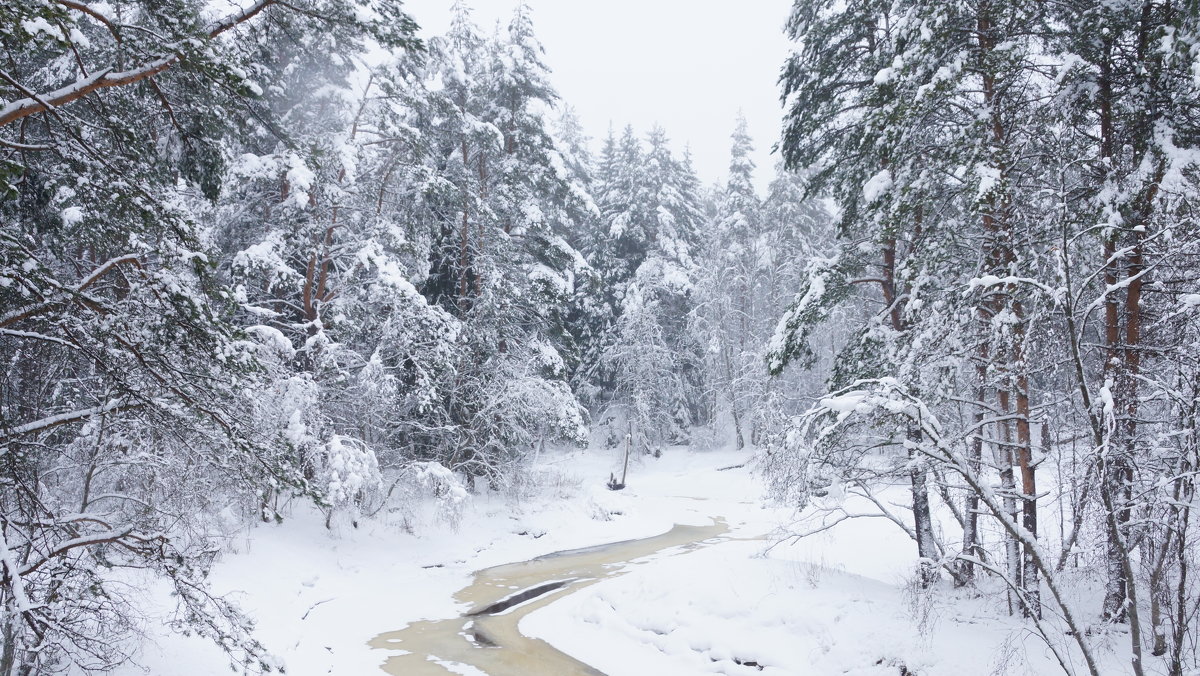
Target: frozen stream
<point>487,636</point>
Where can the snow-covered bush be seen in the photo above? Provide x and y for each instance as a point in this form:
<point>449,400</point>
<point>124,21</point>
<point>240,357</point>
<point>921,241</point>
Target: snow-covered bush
<point>449,495</point>
<point>348,477</point>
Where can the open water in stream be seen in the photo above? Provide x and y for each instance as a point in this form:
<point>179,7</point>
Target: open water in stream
<point>487,636</point>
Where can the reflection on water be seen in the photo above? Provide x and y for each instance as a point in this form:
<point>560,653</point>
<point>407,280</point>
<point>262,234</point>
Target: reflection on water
<point>491,642</point>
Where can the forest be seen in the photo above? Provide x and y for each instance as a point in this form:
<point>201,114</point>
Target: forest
<point>265,262</point>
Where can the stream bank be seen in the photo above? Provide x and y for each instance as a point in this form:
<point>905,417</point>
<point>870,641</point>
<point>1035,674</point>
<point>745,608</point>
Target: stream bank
<point>488,636</point>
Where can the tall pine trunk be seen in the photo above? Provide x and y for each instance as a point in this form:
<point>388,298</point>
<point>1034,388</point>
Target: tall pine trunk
<point>922,514</point>
<point>1014,385</point>
<point>1029,520</point>
<point>970,539</point>
<point>1008,487</point>
<point>918,475</point>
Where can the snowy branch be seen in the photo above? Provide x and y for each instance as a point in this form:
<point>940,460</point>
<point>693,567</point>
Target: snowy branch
<point>109,77</point>
<point>67,418</point>
<point>38,308</point>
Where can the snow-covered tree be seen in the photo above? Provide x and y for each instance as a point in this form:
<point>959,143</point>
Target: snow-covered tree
<point>1000,172</point>
<point>499,206</point>
<point>643,259</point>
<point>122,403</point>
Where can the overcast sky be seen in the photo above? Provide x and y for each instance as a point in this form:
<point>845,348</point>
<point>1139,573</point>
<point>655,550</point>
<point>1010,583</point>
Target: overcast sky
<point>688,65</point>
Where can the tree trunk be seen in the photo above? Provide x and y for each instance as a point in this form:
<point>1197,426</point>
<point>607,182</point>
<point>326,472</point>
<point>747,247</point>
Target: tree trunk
<point>918,476</point>
<point>1015,383</point>
<point>1115,587</point>
<point>1008,485</point>
<point>1181,583</point>
<point>464,242</point>
<point>1029,520</point>
<point>970,541</point>
<point>733,399</point>
<point>922,515</point>
<point>8,652</point>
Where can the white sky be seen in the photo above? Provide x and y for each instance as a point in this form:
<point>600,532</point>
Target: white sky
<point>688,65</point>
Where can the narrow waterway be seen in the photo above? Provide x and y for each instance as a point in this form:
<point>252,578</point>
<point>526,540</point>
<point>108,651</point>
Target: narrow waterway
<point>487,636</point>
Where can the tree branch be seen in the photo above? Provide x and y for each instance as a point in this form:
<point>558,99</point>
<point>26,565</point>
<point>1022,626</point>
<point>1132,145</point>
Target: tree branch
<point>66,418</point>
<point>105,78</point>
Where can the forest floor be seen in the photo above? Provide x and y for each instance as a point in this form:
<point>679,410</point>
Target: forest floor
<point>840,602</point>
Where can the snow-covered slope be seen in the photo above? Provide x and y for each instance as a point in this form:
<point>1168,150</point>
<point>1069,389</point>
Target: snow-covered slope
<point>836,603</point>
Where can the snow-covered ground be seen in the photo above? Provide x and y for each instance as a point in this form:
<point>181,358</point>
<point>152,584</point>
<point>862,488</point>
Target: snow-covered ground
<point>835,603</point>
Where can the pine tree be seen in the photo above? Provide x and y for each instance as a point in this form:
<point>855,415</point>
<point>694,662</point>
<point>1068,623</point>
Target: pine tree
<point>643,258</point>
<point>732,293</point>
<point>1129,109</point>
<point>613,250</point>
<point>499,214</point>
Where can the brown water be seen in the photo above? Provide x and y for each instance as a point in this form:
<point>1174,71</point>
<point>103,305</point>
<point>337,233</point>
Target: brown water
<point>487,638</point>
